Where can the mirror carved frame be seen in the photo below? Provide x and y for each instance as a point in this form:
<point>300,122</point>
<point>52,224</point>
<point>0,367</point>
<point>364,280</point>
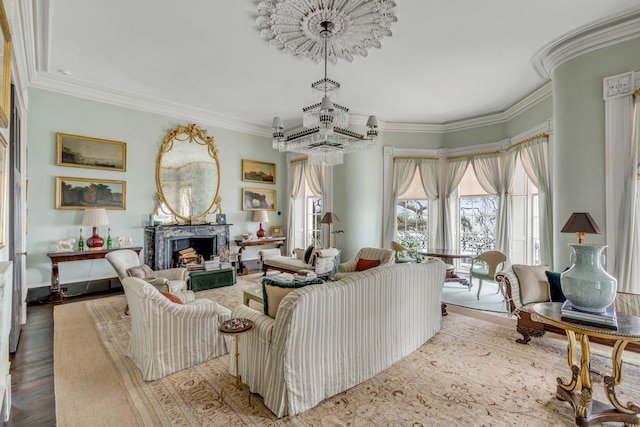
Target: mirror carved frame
<point>190,134</point>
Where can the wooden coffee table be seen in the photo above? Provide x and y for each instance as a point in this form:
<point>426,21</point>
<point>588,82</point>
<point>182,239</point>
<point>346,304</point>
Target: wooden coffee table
<point>253,294</point>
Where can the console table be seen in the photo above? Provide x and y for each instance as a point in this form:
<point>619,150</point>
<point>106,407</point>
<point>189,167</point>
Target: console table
<point>578,390</point>
<point>56,257</point>
<point>277,241</point>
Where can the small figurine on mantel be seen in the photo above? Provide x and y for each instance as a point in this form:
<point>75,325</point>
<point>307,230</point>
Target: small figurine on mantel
<point>67,245</point>
<point>125,242</point>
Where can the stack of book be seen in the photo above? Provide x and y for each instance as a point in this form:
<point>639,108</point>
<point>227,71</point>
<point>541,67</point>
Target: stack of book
<point>606,319</point>
<point>305,275</point>
<point>225,264</point>
<point>212,264</point>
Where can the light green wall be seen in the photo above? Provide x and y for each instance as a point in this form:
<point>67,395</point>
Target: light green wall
<point>578,150</point>
<point>479,135</point>
<point>50,113</point>
<point>531,117</point>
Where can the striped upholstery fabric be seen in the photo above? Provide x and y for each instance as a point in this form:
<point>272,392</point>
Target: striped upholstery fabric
<point>386,257</point>
<point>329,338</point>
<point>167,337</point>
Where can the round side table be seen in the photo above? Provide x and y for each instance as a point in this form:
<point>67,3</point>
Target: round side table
<point>236,327</point>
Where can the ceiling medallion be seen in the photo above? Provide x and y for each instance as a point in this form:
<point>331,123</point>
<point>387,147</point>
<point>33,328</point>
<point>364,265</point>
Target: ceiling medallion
<point>295,26</point>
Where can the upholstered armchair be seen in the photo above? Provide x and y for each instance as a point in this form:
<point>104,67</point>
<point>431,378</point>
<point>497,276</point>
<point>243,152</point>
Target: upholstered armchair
<point>167,336</point>
<point>366,258</point>
<point>126,263</point>
<point>485,266</point>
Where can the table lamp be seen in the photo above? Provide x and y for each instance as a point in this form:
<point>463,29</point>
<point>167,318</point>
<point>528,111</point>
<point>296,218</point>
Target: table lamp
<point>260,216</point>
<point>95,217</point>
<point>330,218</point>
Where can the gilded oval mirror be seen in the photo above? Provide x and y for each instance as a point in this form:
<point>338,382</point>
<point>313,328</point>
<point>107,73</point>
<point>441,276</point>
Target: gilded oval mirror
<point>188,174</point>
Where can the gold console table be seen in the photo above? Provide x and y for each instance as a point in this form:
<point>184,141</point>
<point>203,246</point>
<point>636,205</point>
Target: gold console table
<point>578,392</point>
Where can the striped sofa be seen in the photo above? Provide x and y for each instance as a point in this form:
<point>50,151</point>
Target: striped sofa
<point>512,290</point>
<point>328,338</point>
<point>167,337</point>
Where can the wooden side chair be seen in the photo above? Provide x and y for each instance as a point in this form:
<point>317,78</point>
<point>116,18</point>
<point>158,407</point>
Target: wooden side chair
<point>485,266</point>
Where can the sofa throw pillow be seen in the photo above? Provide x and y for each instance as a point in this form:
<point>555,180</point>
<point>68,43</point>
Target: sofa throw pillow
<point>172,297</point>
<point>273,291</point>
<point>555,288</point>
<point>534,286</point>
<point>365,264</point>
<point>140,271</point>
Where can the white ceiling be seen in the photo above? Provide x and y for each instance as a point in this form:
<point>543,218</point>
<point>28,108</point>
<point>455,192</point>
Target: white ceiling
<point>447,60</point>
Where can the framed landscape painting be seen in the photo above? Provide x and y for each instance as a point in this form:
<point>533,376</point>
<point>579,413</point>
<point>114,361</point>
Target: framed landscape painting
<point>261,172</point>
<point>94,153</point>
<point>80,193</point>
<point>256,199</point>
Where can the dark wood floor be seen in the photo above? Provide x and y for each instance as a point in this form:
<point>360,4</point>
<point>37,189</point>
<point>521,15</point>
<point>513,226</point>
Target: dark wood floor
<point>32,388</point>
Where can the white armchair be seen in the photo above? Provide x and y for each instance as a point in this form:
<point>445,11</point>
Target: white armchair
<point>126,263</point>
<point>385,256</point>
<point>167,337</point>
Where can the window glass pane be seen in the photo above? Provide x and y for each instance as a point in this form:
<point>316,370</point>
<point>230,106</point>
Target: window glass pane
<point>314,215</point>
<point>478,223</point>
<point>413,223</point>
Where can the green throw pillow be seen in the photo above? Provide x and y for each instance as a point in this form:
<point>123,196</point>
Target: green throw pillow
<point>555,289</point>
<point>273,291</point>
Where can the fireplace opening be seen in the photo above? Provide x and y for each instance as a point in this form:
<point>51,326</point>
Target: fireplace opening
<point>206,247</point>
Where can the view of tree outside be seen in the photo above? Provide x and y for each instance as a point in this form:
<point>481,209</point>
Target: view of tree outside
<point>478,218</point>
<point>413,223</point>
<point>314,212</point>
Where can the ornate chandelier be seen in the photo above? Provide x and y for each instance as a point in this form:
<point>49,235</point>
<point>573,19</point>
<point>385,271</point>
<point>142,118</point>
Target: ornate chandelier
<point>313,29</point>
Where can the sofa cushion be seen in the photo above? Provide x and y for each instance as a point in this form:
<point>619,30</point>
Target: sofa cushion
<point>140,271</point>
<point>365,264</point>
<point>173,298</point>
<point>273,291</point>
<point>555,290</point>
<point>534,286</point>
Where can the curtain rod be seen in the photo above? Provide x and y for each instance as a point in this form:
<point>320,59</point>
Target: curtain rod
<point>299,159</point>
<point>524,141</point>
<point>414,158</point>
<point>478,153</point>
<point>637,92</point>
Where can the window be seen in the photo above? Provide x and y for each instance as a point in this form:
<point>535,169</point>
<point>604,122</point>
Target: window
<point>414,228</point>
<point>314,215</point>
<point>307,213</point>
<point>477,215</point>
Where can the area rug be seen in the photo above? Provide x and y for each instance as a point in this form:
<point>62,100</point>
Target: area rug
<point>471,373</point>
<point>490,300</point>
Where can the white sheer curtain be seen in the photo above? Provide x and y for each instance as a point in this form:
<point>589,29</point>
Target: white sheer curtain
<point>454,171</point>
<point>627,269</point>
<point>403,172</point>
<point>315,179</point>
<point>430,177</point>
<point>495,173</point>
<point>535,161</point>
<point>296,171</point>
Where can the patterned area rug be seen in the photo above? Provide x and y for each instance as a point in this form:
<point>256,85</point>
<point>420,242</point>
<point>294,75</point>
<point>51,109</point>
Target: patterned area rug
<point>471,373</point>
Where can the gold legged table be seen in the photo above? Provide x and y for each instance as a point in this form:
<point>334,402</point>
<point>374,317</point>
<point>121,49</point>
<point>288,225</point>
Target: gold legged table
<point>235,328</point>
<point>578,391</point>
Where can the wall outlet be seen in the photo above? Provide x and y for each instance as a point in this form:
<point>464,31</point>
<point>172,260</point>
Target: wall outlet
<point>65,289</point>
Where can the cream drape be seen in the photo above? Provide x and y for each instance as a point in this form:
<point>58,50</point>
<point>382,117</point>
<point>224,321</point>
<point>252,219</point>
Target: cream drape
<point>627,268</point>
<point>296,171</point>
<point>495,173</point>
<point>430,177</point>
<point>535,161</point>
<point>454,172</point>
<point>403,172</point>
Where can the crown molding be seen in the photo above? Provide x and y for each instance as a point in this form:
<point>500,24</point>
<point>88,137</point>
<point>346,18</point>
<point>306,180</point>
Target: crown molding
<point>606,32</point>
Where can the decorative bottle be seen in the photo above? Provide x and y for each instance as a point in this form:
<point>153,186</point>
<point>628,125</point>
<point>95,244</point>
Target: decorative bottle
<point>80,242</point>
<point>109,242</point>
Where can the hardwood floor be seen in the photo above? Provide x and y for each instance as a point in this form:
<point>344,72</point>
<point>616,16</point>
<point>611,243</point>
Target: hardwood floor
<point>32,387</point>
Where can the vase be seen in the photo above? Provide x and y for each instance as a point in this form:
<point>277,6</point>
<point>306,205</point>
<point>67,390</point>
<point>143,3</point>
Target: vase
<point>586,284</point>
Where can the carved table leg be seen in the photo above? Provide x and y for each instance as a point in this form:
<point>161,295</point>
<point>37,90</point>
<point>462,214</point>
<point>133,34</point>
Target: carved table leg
<point>55,295</point>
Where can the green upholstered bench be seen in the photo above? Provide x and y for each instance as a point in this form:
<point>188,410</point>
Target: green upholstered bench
<point>212,279</point>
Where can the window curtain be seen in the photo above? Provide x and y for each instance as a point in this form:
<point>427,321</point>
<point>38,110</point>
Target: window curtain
<point>430,177</point>
<point>627,268</point>
<point>403,172</point>
<point>454,172</point>
<point>296,171</point>
<point>535,161</point>
<point>495,174</point>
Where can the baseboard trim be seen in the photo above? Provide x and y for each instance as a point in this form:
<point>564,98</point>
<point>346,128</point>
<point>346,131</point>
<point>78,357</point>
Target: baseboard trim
<point>40,295</point>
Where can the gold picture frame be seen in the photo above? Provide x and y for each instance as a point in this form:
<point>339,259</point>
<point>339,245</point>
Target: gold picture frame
<point>276,231</point>
<point>5,89</point>
<point>92,153</point>
<point>82,193</point>
<point>4,164</point>
<point>259,172</point>
<point>258,199</point>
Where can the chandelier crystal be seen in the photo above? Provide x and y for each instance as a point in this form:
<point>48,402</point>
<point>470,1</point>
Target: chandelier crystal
<point>325,138</point>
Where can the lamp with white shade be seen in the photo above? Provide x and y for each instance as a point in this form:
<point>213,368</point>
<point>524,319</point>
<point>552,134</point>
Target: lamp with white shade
<point>95,217</point>
<point>260,216</point>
